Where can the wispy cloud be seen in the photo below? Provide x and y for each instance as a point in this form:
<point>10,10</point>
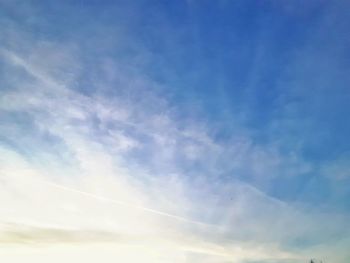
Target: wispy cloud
<point>96,188</point>
<point>94,162</point>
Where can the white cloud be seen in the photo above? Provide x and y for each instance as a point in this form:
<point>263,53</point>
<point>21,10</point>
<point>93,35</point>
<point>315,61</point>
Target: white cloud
<point>117,174</point>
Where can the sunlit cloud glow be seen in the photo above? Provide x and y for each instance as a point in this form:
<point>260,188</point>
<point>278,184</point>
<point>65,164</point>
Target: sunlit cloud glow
<point>107,155</point>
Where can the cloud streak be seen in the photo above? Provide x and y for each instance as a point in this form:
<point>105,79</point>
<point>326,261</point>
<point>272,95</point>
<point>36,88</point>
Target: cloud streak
<point>102,165</point>
<point>101,177</point>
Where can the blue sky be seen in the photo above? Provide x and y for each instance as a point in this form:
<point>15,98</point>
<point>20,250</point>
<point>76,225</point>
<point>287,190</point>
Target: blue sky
<point>226,121</point>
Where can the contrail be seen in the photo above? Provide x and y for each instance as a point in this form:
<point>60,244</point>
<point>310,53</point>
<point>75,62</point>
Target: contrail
<point>120,203</point>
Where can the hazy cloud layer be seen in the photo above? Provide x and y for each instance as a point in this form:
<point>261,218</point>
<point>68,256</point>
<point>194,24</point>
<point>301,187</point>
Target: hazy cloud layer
<point>97,161</point>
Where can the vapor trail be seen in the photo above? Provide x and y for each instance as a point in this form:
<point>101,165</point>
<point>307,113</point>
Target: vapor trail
<point>121,203</point>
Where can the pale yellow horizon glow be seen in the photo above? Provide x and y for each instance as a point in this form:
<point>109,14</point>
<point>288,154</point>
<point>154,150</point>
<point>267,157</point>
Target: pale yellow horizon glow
<point>86,220</point>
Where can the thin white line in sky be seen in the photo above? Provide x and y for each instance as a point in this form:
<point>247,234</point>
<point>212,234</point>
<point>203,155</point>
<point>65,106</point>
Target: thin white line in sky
<point>121,203</point>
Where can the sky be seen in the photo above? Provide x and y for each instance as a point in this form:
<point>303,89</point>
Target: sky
<point>209,131</point>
